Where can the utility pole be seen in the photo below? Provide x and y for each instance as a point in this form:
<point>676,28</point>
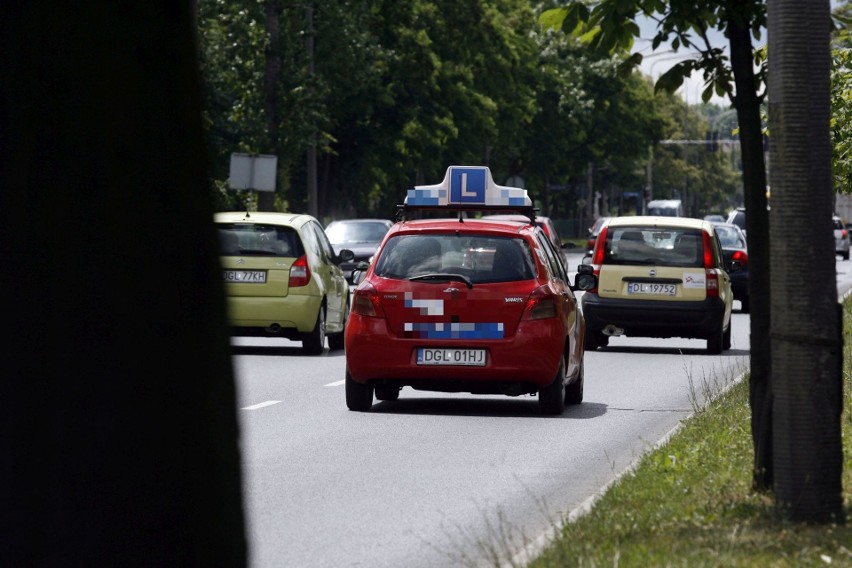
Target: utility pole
<point>313,206</point>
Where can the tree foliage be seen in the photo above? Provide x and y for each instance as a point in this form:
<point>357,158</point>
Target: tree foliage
<point>399,91</point>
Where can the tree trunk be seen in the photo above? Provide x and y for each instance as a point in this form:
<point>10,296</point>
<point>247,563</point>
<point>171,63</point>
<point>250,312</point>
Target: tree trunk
<point>271,82</point>
<point>805,325</point>
<point>118,427</point>
<point>747,105</point>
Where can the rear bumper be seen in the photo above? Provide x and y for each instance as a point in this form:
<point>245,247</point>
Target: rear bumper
<point>654,318</point>
<point>292,314</point>
<point>531,356</point>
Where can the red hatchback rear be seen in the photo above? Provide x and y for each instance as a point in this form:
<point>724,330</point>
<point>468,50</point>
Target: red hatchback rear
<point>466,305</point>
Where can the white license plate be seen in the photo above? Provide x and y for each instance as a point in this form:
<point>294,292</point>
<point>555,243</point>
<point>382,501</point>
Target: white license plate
<point>651,289</point>
<point>245,276</point>
<point>438,356</point>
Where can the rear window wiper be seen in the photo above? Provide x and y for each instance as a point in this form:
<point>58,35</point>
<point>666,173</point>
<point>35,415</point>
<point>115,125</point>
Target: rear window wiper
<point>444,277</point>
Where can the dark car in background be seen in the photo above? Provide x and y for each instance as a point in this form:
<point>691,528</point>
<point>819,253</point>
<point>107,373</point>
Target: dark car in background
<point>738,217</point>
<point>594,230</point>
<point>547,226</point>
<point>735,249</point>
<point>361,236</point>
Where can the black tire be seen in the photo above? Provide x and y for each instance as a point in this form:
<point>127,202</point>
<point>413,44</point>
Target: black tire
<point>846,255</point>
<point>744,305</point>
<point>387,393</point>
<point>551,398</point>
<point>716,341</point>
<point>595,339</point>
<point>313,342</point>
<point>336,340</point>
<point>726,338</point>
<point>359,396</point>
<point>574,390</point>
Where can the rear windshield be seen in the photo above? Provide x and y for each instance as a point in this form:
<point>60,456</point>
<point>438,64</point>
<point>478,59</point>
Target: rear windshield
<point>480,258</point>
<point>341,233</point>
<point>729,237</point>
<point>652,246</point>
<point>246,239</point>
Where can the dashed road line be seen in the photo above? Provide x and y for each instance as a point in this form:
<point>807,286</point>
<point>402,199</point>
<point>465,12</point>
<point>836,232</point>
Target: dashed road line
<point>261,405</point>
<point>336,383</point>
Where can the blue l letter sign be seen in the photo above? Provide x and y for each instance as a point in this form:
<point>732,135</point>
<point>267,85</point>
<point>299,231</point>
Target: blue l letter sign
<point>467,185</point>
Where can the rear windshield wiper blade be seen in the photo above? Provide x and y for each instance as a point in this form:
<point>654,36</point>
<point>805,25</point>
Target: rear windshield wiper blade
<point>444,277</point>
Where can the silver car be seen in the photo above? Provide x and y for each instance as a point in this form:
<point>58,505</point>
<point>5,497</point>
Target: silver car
<point>841,237</point>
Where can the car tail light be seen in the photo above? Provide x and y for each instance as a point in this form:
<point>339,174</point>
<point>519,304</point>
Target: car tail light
<point>600,247</point>
<point>843,234</point>
<point>300,272</point>
<point>712,277</point>
<point>540,305</point>
<point>598,256</point>
<point>740,257</point>
<point>365,301</point>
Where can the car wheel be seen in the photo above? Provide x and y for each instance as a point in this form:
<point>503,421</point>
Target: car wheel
<point>846,255</point>
<point>551,398</point>
<point>387,393</point>
<point>594,339</point>
<point>359,396</point>
<point>726,339</point>
<point>313,342</point>
<point>574,391</point>
<point>744,305</point>
<point>336,340</point>
<point>716,341</point>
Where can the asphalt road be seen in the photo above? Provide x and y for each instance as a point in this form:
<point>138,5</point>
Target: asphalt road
<point>447,479</point>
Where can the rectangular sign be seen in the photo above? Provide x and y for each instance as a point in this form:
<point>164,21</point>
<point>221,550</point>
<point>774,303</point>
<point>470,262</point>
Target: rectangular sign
<point>438,356</point>
<point>467,185</point>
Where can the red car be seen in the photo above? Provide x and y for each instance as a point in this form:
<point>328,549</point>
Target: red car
<point>466,305</point>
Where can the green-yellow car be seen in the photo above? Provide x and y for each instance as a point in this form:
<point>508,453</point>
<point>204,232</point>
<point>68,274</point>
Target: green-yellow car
<point>283,279</point>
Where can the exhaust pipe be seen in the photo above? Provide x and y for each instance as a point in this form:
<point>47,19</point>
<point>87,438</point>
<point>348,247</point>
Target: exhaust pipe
<point>273,329</point>
<point>612,330</point>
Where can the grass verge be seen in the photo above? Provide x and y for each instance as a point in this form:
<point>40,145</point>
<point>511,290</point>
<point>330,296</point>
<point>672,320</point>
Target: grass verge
<point>690,503</point>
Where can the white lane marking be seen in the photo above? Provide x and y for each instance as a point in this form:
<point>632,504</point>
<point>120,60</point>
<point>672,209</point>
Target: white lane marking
<point>336,383</point>
<point>261,405</point>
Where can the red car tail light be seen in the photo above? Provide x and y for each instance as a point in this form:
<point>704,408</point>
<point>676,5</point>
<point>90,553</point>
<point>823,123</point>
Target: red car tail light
<point>300,272</point>
<point>712,277</point>
<point>600,247</point>
<point>740,257</point>
<point>540,305</point>
<point>365,302</point>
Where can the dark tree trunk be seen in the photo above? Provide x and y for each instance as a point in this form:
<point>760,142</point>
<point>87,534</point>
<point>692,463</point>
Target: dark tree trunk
<point>271,82</point>
<point>747,104</point>
<point>807,347</point>
<point>118,427</point>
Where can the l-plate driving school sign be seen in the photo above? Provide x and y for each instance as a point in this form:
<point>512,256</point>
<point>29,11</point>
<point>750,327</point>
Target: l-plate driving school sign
<point>468,186</point>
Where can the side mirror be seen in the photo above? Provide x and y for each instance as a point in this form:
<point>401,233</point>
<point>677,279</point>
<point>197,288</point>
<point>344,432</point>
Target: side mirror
<point>345,255</point>
<point>585,281</point>
<point>359,272</point>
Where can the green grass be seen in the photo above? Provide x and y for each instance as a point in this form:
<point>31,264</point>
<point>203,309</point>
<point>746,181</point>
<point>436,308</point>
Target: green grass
<point>690,503</point>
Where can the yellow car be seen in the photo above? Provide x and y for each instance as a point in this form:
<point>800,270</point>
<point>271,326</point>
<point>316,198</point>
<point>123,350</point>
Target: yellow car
<point>283,279</point>
<point>659,277</point>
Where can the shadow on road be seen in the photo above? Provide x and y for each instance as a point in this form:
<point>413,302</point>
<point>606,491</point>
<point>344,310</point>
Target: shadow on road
<point>521,407</point>
<point>671,351</point>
